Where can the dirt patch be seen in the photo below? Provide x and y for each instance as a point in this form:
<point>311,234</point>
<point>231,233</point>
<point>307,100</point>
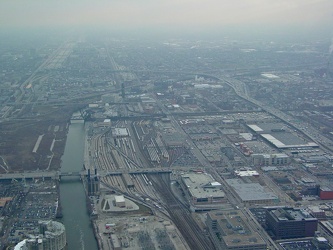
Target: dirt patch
<point>18,138</point>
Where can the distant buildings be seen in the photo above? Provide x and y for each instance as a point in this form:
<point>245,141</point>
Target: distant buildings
<point>287,223</point>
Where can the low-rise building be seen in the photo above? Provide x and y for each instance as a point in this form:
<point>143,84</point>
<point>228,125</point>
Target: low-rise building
<point>119,201</point>
<point>326,193</point>
<point>287,223</point>
<point>252,193</point>
<point>270,159</point>
<point>229,230</point>
<point>317,212</point>
<point>202,188</point>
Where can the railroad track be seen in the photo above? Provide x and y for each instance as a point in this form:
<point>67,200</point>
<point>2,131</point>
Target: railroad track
<point>191,232</point>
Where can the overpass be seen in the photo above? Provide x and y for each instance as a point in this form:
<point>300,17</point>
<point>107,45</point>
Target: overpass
<point>56,175</point>
<point>103,173</point>
<point>29,175</point>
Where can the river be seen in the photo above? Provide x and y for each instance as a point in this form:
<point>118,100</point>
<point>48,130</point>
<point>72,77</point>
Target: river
<point>79,230</point>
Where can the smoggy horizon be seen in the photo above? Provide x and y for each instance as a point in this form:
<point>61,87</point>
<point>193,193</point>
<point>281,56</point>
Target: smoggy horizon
<point>297,19</point>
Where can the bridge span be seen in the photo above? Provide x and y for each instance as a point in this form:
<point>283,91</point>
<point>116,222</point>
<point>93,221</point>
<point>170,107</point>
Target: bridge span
<point>56,175</point>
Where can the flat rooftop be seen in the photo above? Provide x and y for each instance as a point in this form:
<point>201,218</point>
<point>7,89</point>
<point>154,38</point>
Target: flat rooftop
<point>280,135</point>
<point>202,185</point>
<point>251,191</point>
<point>291,214</point>
<point>119,132</point>
<point>234,229</point>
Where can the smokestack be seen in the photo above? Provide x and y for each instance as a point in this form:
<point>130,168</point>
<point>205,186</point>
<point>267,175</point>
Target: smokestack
<point>95,171</point>
<point>89,174</point>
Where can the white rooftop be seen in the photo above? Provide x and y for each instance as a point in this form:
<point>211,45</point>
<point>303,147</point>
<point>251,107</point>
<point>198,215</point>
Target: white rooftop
<point>243,173</point>
<point>270,76</point>
<point>247,136</point>
<point>321,239</point>
<point>255,128</point>
<point>273,140</point>
<point>119,198</point>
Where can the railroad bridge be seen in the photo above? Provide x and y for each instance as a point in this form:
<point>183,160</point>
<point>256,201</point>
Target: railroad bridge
<point>56,175</point>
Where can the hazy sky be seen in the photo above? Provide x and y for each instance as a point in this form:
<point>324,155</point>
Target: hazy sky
<point>168,14</point>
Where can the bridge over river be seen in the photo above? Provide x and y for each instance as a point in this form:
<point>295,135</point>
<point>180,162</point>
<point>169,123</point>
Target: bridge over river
<point>56,175</point>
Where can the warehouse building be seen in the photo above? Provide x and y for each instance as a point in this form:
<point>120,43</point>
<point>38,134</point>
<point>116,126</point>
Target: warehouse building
<point>280,136</point>
<point>252,193</point>
<point>201,188</point>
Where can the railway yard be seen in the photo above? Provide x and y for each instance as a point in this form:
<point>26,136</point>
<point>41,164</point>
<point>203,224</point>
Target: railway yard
<point>174,158</point>
<point>109,153</point>
<point>211,146</point>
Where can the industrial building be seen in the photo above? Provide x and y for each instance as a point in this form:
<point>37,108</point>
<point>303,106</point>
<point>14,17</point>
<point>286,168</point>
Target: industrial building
<point>273,140</point>
<point>119,132</point>
<point>326,193</point>
<point>229,230</point>
<point>52,235</point>
<point>279,136</point>
<point>119,201</point>
<point>287,223</point>
<point>270,159</point>
<point>252,193</point>
<point>202,188</point>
